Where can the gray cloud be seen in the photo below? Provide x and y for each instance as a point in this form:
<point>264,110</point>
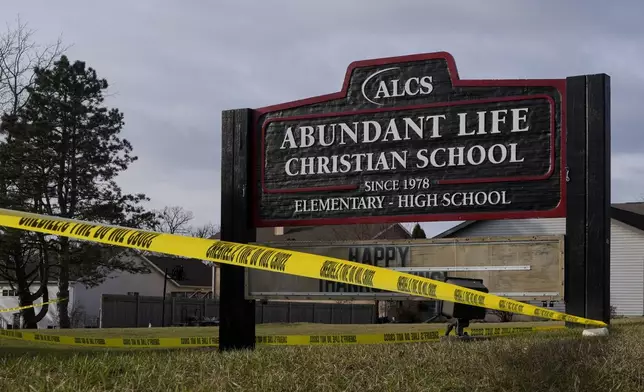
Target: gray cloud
<point>174,66</point>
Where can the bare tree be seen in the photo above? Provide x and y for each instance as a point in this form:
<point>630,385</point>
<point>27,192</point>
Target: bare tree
<point>503,316</point>
<point>24,257</point>
<point>174,220</point>
<point>20,55</point>
<point>204,231</point>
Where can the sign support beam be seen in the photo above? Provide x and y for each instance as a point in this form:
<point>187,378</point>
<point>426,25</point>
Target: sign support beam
<point>236,314</point>
<point>587,263</point>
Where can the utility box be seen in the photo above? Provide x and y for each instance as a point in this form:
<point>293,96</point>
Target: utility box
<point>463,311</point>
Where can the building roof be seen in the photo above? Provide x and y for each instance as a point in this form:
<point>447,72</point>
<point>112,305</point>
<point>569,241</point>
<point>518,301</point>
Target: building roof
<point>631,213</point>
<point>635,207</point>
<point>195,272</point>
<point>454,229</point>
<point>332,233</point>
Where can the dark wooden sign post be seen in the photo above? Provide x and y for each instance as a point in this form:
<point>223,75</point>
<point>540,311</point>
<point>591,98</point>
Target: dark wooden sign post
<point>587,267</point>
<point>407,140</point>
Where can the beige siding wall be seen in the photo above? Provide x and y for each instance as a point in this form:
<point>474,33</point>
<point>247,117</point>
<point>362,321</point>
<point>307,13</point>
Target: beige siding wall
<point>627,255</point>
<point>627,269</point>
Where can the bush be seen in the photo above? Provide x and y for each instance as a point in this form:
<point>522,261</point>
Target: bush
<point>503,316</point>
<point>613,313</point>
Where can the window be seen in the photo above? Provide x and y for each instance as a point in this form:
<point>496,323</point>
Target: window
<point>9,293</point>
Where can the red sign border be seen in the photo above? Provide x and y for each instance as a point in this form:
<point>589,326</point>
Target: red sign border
<point>557,212</point>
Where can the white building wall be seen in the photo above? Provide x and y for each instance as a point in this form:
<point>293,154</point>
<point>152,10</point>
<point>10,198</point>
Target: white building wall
<point>88,300</point>
<point>627,255</point>
<point>627,269</point>
<point>85,302</point>
<point>50,319</point>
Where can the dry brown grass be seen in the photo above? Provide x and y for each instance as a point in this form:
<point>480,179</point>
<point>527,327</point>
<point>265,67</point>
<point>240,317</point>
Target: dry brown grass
<point>554,361</point>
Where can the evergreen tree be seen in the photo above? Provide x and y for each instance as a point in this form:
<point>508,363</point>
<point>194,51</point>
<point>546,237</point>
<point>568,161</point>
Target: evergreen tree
<point>70,152</point>
<point>418,232</point>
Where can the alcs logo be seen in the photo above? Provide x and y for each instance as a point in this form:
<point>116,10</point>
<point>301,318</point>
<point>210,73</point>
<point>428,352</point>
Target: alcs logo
<point>396,87</point>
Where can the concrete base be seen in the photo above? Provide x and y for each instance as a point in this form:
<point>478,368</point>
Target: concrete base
<point>595,332</point>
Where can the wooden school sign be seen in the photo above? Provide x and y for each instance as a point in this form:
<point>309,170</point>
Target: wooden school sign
<point>520,268</point>
<point>407,140</point>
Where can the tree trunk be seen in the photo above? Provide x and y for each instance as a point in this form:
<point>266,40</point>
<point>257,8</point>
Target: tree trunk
<point>25,296</point>
<point>63,313</point>
<point>63,310</point>
<point>29,317</point>
<point>63,284</point>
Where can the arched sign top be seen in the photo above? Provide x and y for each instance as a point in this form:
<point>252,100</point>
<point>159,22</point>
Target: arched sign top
<point>407,140</point>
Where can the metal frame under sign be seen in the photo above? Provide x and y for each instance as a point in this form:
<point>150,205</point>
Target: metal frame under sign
<point>464,269</point>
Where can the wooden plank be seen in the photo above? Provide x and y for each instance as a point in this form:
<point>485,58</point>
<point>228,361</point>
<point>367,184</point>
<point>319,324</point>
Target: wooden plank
<point>587,269</point>
<point>598,198</point>
<point>543,254</point>
<point>237,315</point>
<point>575,261</point>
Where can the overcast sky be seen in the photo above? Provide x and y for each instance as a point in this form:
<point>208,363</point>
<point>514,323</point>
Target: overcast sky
<point>173,66</point>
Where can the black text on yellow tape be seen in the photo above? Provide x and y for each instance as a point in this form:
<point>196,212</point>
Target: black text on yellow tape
<point>410,337</point>
<point>264,340</point>
<point>416,286</point>
<point>277,260</point>
<point>99,233</point>
<point>90,341</point>
<point>17,308</point>
<point>498,331</point>
<point>353,274</point>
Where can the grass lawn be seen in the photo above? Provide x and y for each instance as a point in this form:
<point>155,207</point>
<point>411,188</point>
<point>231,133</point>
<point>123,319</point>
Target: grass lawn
<point>547,361</point>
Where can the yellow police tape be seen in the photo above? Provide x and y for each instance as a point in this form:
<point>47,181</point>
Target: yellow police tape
<point>277,260</point>
<point>268,340</point>
<point>53,301</point>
